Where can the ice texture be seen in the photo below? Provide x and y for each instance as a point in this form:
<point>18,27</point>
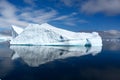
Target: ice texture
<point>16,30</point>
<point>46,34</point>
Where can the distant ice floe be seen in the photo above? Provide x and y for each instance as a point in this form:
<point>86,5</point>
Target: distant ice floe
<point>38,55</point>
<point>4,38</point>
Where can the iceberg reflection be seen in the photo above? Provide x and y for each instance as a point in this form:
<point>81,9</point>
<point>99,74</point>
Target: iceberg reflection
<point>37,55</point>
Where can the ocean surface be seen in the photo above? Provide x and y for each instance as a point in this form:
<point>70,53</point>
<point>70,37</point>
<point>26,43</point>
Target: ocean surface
<point>60,63</point>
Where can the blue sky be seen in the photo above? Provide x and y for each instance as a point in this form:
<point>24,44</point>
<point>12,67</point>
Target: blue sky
<point>75,15</point>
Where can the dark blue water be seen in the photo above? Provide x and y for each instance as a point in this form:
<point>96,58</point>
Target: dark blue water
<point>60,63</point>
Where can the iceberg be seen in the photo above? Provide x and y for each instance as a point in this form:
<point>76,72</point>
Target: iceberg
<point>16,30</point>
<point>38,55</point>
<point>46,34</point>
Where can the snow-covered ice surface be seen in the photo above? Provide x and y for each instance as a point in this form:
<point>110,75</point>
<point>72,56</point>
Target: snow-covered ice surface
<point>46,34</point>
<point>16,30</point>
<point>37,55</point>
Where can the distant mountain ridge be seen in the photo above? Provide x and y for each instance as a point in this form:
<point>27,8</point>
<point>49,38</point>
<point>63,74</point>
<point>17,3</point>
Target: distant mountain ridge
<point>110,34</point>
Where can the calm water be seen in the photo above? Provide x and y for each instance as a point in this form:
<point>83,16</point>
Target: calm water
<point>60,63</point>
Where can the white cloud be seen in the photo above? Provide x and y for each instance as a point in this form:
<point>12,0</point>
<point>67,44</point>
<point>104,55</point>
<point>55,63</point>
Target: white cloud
<point>83,21</point>
<point>38,16</point>
<point>7,10</point>
<point>109,7</point>
<point>64,17</point>
<point>71,3</point>
<point>69,23</point>
<point>30,2</point>
<point>71,19</point>
<point>8,15</point>
<point>8,22</point>
<point>67,2</point>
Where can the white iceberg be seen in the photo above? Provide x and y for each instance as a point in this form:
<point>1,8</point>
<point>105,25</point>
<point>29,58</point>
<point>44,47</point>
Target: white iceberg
<point>16,30</point>
<point>37,55</point>
<point>46,34</point>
